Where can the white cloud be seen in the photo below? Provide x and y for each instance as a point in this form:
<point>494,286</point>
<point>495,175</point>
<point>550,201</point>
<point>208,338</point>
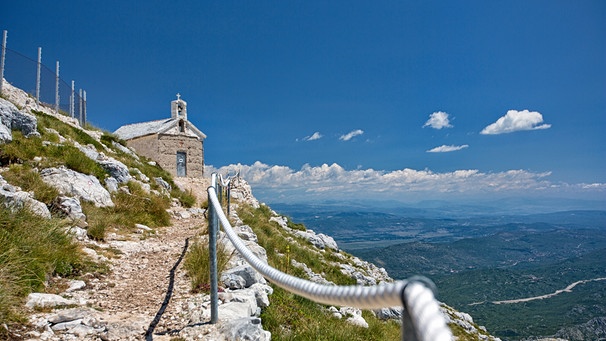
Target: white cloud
<point>314,136</point>
<point>438,120</point>
<point>445,149</point>
<point>516,121</point>
<point>351,135</point>
<point>334,182</point>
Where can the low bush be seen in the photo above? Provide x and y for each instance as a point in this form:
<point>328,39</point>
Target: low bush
<point>197,264</point>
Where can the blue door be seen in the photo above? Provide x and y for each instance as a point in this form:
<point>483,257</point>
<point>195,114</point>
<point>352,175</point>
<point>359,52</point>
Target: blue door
<point>181,164</point>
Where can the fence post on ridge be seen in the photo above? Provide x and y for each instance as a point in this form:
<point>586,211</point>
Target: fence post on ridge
<point>57,88</point>
<point>4,36</point>
<point>38,76</point>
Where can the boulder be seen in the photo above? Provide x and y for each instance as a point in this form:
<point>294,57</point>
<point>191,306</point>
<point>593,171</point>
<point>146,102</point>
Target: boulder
<point>250,275</point>
<point>261,294</point>
<point>111,184</point>
<point>163,183</point>
<point>140,175</point>
<point>115,168</point>
<point>14,199</point>
<point>233,281</point>
<point>247,328</point>
<point>12,118</point>
<point>75,184</point>
<point>125,150</point>
<point>40,300</point>
<point>5,133</point>
<point>70,207</point>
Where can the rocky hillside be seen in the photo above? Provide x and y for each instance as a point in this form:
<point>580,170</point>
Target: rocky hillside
<point>133,228</point>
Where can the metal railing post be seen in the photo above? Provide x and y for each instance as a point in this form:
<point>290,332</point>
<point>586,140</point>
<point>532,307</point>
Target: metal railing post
<point>213,229</point>
<point>228,196</point>
<point>4,36</point>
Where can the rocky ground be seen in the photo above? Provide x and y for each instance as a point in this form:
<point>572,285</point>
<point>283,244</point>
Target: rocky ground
<point>129,302</point>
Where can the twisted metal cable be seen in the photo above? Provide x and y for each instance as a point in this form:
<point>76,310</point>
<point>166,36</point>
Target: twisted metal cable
<point>417,298</point>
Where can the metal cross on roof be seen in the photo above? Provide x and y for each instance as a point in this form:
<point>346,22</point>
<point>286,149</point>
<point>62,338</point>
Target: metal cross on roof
<point>178,96</point>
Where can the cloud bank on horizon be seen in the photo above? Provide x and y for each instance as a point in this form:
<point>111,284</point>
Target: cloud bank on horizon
<point>334,182</point>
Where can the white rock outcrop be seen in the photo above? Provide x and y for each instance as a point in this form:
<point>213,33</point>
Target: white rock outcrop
<point>11,118</point>
<point>75,184</point>
<point>14,198</point>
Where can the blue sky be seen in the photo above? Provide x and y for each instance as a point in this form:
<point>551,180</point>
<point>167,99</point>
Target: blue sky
<point>404,100</point>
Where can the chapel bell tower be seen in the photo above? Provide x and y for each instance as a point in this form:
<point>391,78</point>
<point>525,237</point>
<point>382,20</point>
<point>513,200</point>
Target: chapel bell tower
<point>178,108</point>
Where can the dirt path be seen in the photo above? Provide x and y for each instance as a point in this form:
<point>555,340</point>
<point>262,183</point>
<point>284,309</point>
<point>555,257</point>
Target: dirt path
<point>147,287</point>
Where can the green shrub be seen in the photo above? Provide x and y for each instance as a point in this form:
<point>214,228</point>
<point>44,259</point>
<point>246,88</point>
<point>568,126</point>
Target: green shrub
<point>96,231</point>
<point>197,264</point>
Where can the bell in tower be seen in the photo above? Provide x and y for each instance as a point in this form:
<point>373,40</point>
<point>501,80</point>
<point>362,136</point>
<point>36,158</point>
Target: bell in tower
<point>178,108</point>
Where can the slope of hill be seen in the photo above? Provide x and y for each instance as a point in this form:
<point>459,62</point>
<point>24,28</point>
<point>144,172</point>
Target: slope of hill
<point>128,227</point>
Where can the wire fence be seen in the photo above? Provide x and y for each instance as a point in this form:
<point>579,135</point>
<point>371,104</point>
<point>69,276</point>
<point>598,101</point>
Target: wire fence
<point>42,83</point>
<point>421,316</point>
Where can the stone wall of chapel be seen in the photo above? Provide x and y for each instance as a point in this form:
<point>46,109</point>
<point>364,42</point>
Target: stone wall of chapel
<point>169,145</point>
<point>145,145</point>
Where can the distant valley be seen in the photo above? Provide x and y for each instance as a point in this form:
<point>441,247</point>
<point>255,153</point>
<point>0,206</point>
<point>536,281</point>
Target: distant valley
<point>476,257</point>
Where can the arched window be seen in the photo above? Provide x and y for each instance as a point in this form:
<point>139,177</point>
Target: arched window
<point>181,126</point>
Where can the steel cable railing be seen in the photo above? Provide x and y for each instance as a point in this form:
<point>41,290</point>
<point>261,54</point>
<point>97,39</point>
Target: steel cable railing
<point>422,319</point>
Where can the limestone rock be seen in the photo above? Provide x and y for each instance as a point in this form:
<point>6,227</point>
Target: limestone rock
<point>391,313</point>
<point>115,168</point>
<point>72,183</point>
<point>40,300</point>
<point>240,190</point>
<point>125,150</point>
<point>76,285</point>
<point>250,275</point>
<point>246,329</point>
<point>5,133</point>
<point>14,198</point>
<point>71,208</point>
<point>112,184</point>
<point>354,316</point>
<point>140,175</point>
<point>163,183</point>
<point>12,118</point>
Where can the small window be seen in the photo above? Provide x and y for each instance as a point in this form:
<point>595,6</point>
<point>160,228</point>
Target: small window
<point>181,126</point>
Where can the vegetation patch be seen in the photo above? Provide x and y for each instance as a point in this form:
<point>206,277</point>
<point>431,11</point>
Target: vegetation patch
<point>32,249</point>
<point>291,317</point>
<point>29,180</point>
<point>64,129</point>
<point>197,264</point>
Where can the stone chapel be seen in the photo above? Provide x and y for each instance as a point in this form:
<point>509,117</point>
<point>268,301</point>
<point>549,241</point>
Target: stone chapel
<point>174,143</point>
